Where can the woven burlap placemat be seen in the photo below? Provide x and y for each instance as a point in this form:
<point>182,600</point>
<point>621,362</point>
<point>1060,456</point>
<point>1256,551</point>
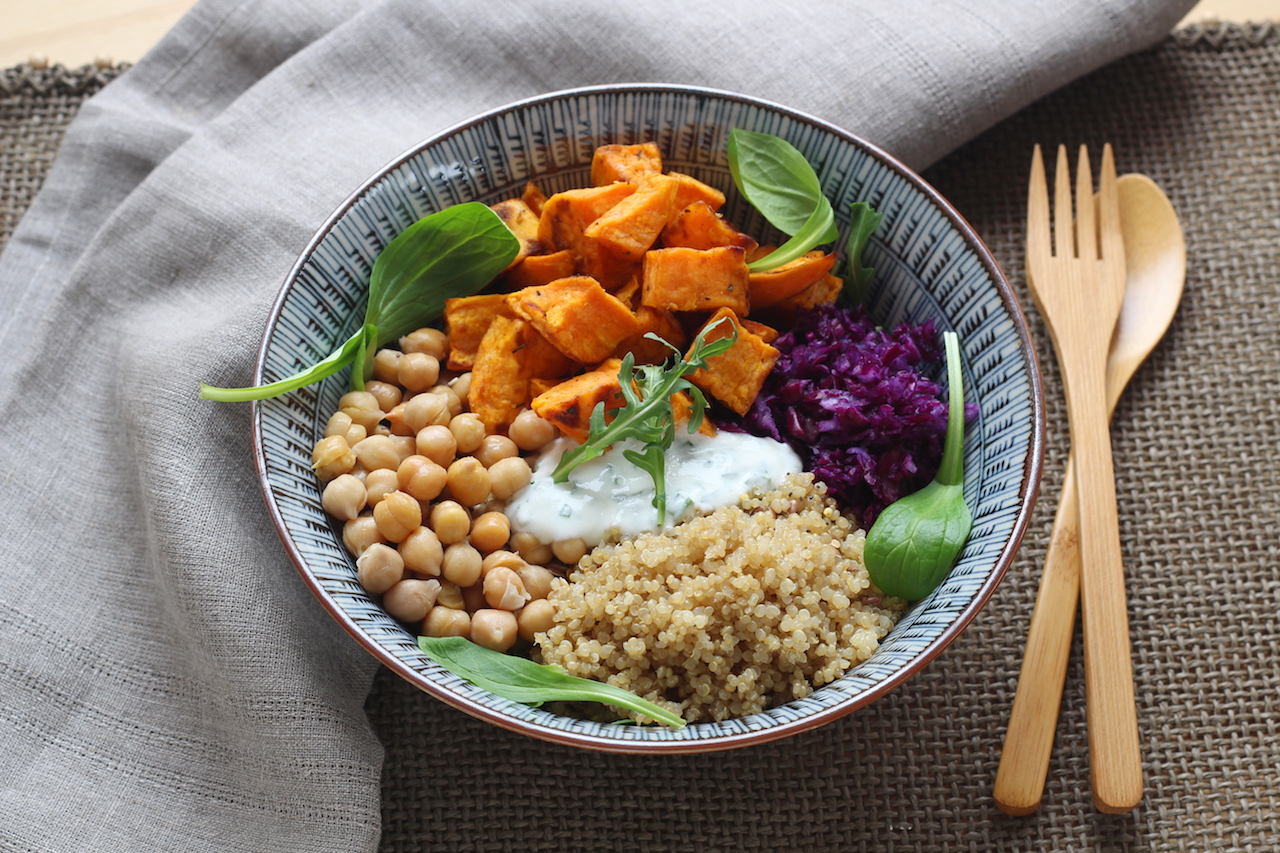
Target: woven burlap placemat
<point>1196,440</point>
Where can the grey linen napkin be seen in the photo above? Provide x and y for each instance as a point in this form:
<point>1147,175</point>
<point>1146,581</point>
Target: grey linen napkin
<point>166,680</point>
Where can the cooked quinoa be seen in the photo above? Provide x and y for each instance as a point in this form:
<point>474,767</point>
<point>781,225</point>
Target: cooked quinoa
<point>728,613</point>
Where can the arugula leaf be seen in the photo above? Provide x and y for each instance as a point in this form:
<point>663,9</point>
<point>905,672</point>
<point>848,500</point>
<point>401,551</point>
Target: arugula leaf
<point>779,182</point>
<point>917,539</point>
<point>453,252</point>
<point>521,680</point>
<point>863,222</point>
<point>646,414</point>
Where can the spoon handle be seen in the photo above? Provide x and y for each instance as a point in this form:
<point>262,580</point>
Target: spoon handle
<point>1028,742</point>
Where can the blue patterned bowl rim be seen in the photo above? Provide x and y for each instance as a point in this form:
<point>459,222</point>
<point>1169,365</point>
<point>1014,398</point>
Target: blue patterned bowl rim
<point>1001,365</point>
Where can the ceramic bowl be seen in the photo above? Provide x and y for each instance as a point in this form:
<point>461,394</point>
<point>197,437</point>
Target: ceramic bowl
<point>929,264</point>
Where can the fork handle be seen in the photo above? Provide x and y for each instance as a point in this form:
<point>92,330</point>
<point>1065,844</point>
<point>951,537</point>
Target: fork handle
<point>1028,742</point>
<point>1115,759</point>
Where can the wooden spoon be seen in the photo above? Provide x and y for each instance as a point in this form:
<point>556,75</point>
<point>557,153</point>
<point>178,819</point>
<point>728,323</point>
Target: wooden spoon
<point>1155,271</point>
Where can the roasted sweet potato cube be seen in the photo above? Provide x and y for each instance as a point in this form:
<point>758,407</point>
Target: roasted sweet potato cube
<point>569,404</point>
<point>466,319</point>
<point>534,197</point>
<point>682,408</point>
<point>660,322</point>
<point>499,384</point>
<point>540,359</point>
<point>632,225</point>
<point>771,287</point>
<point>523,223</point>
<point>565,218</point>
<point>539,269</point>
<point>735,377</point>
<point>612,163</point>
<point>680,279</point>
<point>823,291</point>
<point>692,189</point>
<point>577,316</point>
<point>699,227</point>
<point>768,334</point>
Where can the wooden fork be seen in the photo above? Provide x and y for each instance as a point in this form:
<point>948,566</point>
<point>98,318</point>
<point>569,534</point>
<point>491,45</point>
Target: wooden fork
<point>1078,286</point>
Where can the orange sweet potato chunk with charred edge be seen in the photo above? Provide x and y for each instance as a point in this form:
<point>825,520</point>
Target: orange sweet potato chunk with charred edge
<point>768,334</point>
<point>735,377</point>
<point>699,227</point>
<point>612,163</point>
<point>823,291</point>
<point>662,323</point>
<point>569,404</point>
<point>682,408</point>
<point>771,287</point>
<point>538,269</point>
<point>564,220</point>
<point>680,279</point>
<point>631,227</point>
<point>577,316</point>
<point>523,223</point>
<point>466,319</point>
<point>534,197</point>
<point>499,383</point>
<point>691,190</point>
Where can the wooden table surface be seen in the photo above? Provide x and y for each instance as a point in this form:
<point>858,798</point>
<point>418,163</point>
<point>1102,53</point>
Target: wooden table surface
<point>79,32</point>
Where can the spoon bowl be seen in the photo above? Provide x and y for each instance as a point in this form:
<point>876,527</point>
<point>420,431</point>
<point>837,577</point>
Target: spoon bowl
<point>1155,273</point>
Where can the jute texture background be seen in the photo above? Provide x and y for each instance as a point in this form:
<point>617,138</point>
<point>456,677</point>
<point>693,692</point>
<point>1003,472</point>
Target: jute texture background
<point>1196,441</point>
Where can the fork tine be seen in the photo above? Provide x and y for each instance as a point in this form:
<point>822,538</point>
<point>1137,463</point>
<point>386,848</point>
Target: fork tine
<point>1064,238</point>
<point>1086,225</point>
<point>1112,239</point>
<point>1037,212</point>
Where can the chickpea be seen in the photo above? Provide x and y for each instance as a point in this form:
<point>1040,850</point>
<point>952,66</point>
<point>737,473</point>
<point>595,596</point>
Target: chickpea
<point>450,521</point>
<point>537,580</point>
<point>422,552</point>
<point>446,622</point>
<point>344,497</point>
<point>386,366</point>
<point>394,421</point>
<point>378,451</point>
<point>362,408</point>
<point>506,559</point>
<point>331,457</point>
<point>379,568</point>
<point>461,564</point>
<point>490,531</point>
<point>461,386</point>
<point>436,442</point>
<point>418,371</point>
<point>468,481</point>
<point>468,431</point>
<point>450,596</point>
<point>411,599</point>
<point>421,477</point>
<point>473,598</point>
<point>536,616</point>
<point>530,432</point>
<point>359,533</point>
<point>405,445</point>
<point>397,515</point>
<point>532,549</point>
<point>494,629</point>
<point>422,410</point>
<point>386,393</point>
<point>453,401</point>
<point>495,447</point>
<point>569,551</point>
<point>340,423</point>
<point>504,590</point>
<point>508,476</point>
<point>378,484</point>
<point>431,341</point>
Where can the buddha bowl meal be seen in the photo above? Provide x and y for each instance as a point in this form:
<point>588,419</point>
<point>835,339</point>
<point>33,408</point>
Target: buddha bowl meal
<point>702,426</point>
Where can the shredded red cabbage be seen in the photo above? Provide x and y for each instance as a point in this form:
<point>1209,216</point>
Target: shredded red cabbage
<point>853,402</point>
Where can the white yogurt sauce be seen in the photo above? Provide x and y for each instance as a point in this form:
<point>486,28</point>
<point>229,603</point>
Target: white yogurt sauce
<point>610,493</point>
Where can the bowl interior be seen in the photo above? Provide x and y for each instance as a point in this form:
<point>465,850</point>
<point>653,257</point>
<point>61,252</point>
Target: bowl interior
<point>928,264</point>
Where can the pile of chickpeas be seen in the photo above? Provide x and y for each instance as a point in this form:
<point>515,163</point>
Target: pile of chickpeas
<point>420,486</point>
